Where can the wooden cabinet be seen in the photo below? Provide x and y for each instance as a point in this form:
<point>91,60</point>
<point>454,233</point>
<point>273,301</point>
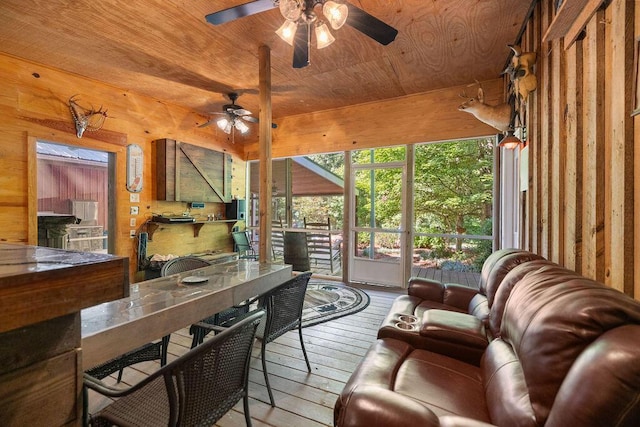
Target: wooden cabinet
<point>189,173</point>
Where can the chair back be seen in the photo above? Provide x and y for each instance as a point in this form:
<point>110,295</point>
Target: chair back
<point>320,225</point>
<point>180,264</point>
<point>242,244</point>
<point>213,377</point>
<point>277,239</point>
<point>284,307</point>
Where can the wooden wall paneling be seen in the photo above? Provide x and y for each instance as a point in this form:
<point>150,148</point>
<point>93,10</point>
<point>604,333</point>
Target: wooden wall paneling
<point>558,148</point>
<point>533,127</point>
<point>619,145</point>
<point>34,108</point>
<point>528,45</point>
<point>434,116</point>
<point>636,178</point>
<point>572,117</point>
<point>593,150</point>
<point>545,137</point>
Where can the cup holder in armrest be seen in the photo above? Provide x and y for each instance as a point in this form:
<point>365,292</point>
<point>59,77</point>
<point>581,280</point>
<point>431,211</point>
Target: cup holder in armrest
<point>407,318</point>
<point>406,326</point>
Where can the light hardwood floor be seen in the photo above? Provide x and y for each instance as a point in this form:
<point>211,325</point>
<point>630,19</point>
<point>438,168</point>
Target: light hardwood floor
<point>302,399</point>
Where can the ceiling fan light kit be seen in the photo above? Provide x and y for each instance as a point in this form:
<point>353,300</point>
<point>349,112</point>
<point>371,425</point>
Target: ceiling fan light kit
<point>299,18</point>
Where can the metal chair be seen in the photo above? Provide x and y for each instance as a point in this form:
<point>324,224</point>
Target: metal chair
<point>181,264</point>
<point>243,245</point>
<point>277,239</point>
<point>284,313</point>
<point>197,388</point>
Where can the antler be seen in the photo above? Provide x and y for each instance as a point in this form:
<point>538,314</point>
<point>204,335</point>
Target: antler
<point>85,118</point>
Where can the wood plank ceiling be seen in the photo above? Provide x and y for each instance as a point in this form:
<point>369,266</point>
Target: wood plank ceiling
<point>165,49</point>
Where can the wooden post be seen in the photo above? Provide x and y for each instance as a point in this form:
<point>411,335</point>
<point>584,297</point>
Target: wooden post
<point>264,201</point>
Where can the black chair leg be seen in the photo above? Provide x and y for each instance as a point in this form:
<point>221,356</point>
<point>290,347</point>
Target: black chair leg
<point>266,375</point>
<point>247,416</point>
<point>304,351</point>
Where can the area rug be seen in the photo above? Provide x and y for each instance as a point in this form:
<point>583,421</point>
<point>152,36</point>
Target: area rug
<point>327,300</point>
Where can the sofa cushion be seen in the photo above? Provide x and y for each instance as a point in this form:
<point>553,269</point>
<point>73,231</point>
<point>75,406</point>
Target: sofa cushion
<point>457,328</point>
<point>508,282</point>
<point>550,318</point>
<point>441,384</point>
<point>607,375</point>
<point>505,387</point>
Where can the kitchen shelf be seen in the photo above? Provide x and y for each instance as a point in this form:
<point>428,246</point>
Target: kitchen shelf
<point>152,226</point>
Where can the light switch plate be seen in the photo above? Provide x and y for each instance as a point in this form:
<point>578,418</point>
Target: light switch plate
<point>133,210</point>
<point>132,222</point>
<point>134,197</point>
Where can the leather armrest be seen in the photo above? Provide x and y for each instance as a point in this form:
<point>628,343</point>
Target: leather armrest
<point>453,327</point>
<point>428,289</point>
<point>375,406</point>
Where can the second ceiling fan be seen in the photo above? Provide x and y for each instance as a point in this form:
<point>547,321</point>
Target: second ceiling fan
<point>233,117</point>
<point>301,18</point>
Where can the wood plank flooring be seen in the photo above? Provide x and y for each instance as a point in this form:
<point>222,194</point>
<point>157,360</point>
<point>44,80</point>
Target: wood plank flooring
<point>302,399</point>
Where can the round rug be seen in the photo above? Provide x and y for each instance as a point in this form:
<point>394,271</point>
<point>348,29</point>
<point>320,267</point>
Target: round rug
<point>326,300</point>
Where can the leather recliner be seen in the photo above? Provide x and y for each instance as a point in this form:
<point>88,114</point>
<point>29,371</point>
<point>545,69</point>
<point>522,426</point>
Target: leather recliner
<point>453,319</point>
<point>567,354</point>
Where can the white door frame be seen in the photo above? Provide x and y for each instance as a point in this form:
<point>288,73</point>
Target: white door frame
<point>376,271</point>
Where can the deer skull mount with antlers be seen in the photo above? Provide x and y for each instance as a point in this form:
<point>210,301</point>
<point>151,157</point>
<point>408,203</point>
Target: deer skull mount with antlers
<point>498,116</point>
<point>86,119</point>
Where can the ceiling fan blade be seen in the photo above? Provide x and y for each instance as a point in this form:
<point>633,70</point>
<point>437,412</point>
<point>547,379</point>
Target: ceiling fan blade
<point>210,122</point>
<point>241,112</point>
<point>301,47</point>
<point>252,119</point>
<point>239,11</point>
<point>370,25</point>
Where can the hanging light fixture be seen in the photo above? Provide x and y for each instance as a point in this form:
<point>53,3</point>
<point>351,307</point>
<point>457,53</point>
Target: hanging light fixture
<point>510,141</point>
<point>298,12</point>
<point>241,126</point>
<point>335,13</point>
<point>323,36</point>
<point>224,124</point>
<point>287,31</point>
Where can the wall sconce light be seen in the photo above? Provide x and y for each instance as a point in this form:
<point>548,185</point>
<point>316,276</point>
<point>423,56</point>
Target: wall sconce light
<point>509,141</point>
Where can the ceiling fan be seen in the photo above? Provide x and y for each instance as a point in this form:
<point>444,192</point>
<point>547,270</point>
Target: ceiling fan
<point>300,18</point>
<point>234,116</point>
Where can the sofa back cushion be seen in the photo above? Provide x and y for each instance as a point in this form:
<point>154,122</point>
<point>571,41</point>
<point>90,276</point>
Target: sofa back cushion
<point>502,267</point>
<point>504,290</point>
<point>487,267</point>
<point>550,318</point>
<point>603,385</point>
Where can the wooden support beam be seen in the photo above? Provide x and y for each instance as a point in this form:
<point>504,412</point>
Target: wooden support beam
<point>266,173</point>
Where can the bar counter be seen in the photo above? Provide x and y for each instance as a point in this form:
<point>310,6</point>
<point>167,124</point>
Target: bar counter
<point>158,307</point>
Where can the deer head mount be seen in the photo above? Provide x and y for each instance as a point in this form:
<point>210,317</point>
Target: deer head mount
<point>520,72</point>
<point>86,119</point>
<point>497,116</point>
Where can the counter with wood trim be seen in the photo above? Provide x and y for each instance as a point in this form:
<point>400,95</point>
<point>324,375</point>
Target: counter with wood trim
<point>42,291</point>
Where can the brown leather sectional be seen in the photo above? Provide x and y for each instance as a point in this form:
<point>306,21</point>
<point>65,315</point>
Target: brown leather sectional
<point>551,348</point>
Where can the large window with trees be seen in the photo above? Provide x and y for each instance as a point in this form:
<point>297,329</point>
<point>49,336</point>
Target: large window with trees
<point>453,203</point>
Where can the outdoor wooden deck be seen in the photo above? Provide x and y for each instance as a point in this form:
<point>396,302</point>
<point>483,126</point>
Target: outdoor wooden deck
<point>334,348</point>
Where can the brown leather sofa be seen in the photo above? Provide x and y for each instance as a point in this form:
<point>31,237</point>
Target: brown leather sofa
<point>453,319</point>
<point>567,354</point>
